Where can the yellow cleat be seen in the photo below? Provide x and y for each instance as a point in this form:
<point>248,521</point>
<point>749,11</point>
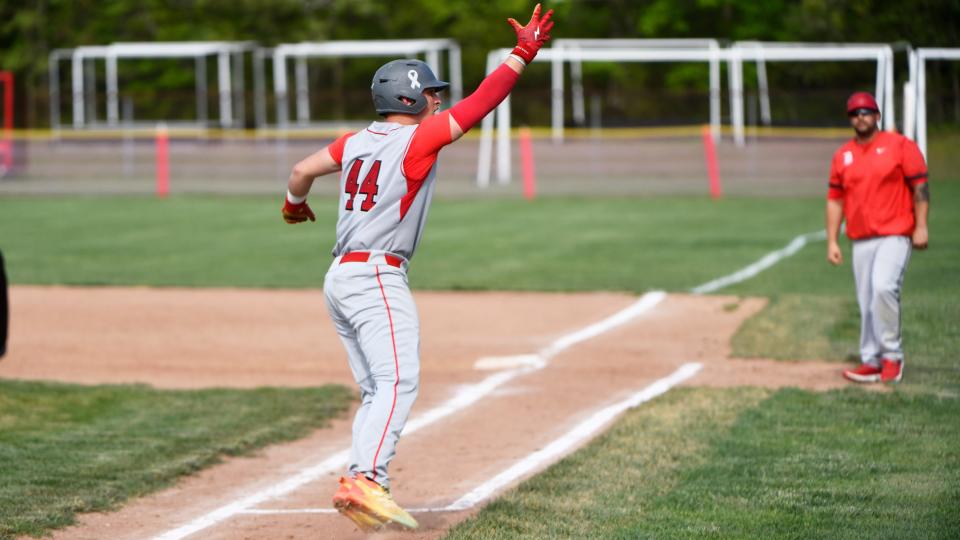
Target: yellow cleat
<point>370,506</point>
<point>365,522</point>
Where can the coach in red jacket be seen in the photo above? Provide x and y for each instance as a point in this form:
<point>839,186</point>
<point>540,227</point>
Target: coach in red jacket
<point>878,183</point>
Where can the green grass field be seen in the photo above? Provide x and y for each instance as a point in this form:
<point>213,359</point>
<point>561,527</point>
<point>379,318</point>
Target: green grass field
<point>750,463</point>
<point>558,244</point>
<point>68,448</point>
<point>786,464</point>
<point>723,463</point>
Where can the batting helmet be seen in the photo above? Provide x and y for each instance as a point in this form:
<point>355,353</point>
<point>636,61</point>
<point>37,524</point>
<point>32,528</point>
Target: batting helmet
<point>862,100</point>
<point>403,79</point>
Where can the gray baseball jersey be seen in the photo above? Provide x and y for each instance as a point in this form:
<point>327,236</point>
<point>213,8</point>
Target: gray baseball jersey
<point>380,210</point>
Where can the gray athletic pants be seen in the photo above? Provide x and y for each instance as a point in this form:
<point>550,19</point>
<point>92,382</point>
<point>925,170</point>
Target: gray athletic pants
<point>374,314</point>
<point>879,264</point>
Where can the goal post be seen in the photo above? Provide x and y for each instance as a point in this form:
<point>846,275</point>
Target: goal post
<point>431,49</point>
<point>763,52</point>
<point>230,78</point>
<point>918,90</point>
<point>577,54</point>
<point>576,73</point>
<point>671,160</point>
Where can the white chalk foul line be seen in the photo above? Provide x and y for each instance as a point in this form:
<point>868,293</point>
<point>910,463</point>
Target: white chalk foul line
<point>278,490</point>
<point>765,262</point>
<point>472,393</point>
<point>745,273</point>
<point>468,395</point>
<point>569,440</point>
<point>548,454</point>
<point>642,305</point>
<point>529,362</point>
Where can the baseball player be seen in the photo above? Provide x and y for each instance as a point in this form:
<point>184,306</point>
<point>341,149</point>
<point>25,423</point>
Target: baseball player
<point>386,186</point>
<point>878,183</point>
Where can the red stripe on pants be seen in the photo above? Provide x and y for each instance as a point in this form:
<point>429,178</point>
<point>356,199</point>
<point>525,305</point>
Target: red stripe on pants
<point>396,382</point>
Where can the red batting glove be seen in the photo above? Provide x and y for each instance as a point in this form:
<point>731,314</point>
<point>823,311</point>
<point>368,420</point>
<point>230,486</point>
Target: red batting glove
<point>297,213</point>
<point>532,36</point>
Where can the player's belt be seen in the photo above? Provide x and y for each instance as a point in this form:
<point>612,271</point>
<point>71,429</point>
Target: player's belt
<point>364,256</point>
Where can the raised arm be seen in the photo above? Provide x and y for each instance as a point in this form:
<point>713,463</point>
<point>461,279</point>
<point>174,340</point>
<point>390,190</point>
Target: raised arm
<point>497,85</point>
<point>442,129</point>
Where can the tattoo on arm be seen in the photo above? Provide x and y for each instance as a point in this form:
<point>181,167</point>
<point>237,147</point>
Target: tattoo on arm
<point>921,193</point>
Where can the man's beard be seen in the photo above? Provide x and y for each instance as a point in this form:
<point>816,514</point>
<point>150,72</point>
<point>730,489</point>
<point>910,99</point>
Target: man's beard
<point>867,131</point>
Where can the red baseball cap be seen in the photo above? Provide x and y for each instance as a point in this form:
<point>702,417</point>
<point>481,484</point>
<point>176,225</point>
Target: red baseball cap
<point>862,100</point>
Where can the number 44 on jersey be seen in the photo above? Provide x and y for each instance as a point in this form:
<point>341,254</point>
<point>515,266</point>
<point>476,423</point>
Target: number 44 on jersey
<point>368,188</point>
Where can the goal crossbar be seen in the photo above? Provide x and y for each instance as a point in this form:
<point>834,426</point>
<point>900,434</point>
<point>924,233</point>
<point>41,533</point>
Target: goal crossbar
<point>578,51</point>
<point>577,98</point>
<point>762,52</point>
<point>558,56</point>
<point>915,115</point>
<point>300,52</point>
<point>229,76</point>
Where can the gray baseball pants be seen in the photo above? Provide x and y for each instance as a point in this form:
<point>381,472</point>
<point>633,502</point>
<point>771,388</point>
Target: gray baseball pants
<point>375,316</point>
<point>879,264</point>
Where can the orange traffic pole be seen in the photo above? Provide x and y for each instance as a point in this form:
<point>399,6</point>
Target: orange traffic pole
<point>163,161</point>
<point>713,169</point>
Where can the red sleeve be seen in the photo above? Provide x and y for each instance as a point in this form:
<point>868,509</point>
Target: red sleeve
<point>485,98</point>
<point>914,166</point>
<point>432,135</point>
<point>434,132</point>
<point>336,147</point>
<point>835,187</point>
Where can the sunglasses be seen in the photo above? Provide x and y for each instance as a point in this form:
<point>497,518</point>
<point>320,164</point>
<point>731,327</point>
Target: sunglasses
<point>862,112</point>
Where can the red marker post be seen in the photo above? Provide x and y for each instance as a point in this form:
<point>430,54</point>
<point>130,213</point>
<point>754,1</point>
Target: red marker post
<point>163,161</point>
<point>713,169</point>
<point>6,141</point>
<point>526,160</point>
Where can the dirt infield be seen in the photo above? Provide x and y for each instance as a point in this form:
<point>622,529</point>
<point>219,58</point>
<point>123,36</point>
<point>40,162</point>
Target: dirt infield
<point>186,338</point>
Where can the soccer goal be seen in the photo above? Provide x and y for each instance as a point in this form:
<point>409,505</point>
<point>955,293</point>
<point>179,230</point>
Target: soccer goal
<point>915,115</point>
<point>300,53</point>
<point>762,53</point>
<point>652,148</point>
<point>575,53</point>
<point>84,87</point>
<point>569,51</point>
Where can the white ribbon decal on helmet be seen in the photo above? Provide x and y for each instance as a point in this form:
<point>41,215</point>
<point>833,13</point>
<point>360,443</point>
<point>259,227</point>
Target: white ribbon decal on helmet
<point>414,79</point>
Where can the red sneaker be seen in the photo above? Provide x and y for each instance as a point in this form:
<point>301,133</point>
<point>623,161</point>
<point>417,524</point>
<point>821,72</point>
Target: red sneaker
<point>892,370</point>
<point>865,373</point>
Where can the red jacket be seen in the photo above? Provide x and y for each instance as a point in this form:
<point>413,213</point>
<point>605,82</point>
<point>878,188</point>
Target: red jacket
<point>875,183</point>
